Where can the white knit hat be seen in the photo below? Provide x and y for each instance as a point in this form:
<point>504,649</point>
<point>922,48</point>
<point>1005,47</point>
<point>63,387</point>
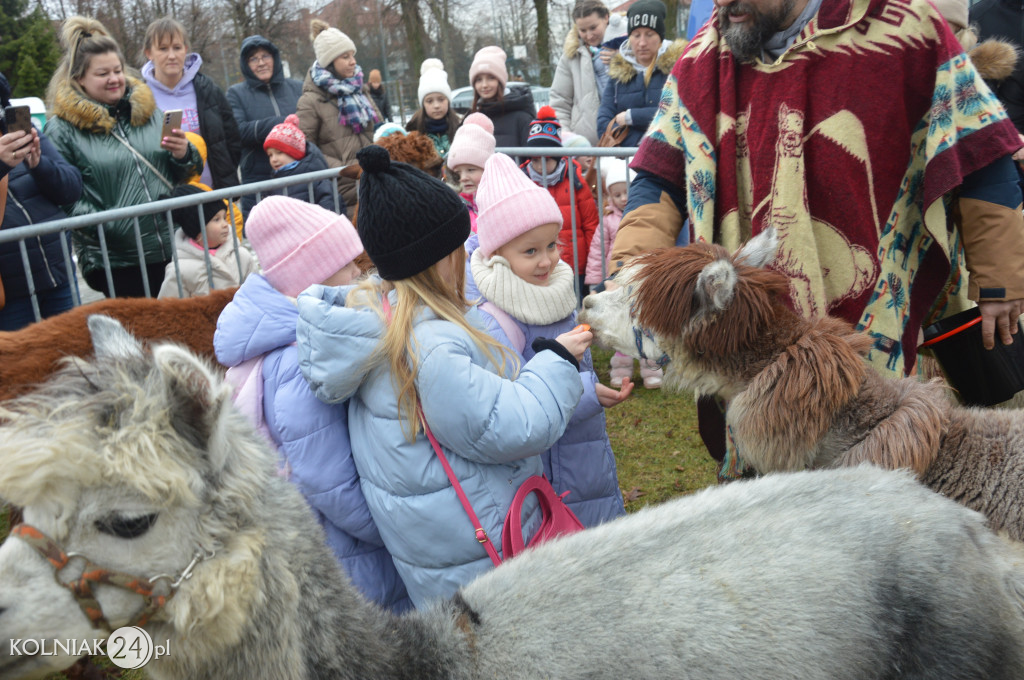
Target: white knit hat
<point>329,43</point>
<point>510,204</point>
<point>616,27</point>
<point>615,170</point>
<point>433,78</point>
<point>473,143</point>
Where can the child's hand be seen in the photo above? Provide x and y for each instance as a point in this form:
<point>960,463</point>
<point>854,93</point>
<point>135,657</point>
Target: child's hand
<point>576,341</point>
<point>608,396</point>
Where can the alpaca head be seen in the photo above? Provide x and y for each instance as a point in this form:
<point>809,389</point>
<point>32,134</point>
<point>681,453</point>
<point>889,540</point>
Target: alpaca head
<point>135,461</point>
<point>415,149</point>
<point>699,308</point>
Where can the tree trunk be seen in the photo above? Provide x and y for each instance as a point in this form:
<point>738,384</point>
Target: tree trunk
<point>413,23</point>
<point>544,42</point>
<point>671,14</point>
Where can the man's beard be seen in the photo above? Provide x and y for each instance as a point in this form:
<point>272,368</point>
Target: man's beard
<point>746,40</point>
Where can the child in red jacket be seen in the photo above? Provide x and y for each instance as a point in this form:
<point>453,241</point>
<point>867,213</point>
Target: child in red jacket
<point>563,178</point>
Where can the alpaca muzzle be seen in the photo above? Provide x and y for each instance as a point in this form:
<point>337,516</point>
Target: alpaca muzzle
<point>82,587</point>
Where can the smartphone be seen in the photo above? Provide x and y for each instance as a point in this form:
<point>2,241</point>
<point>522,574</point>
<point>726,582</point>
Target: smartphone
<point>172,121</point>
<point>18,118</point>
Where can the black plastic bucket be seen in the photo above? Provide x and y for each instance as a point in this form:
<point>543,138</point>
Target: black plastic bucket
<point>983,377</point>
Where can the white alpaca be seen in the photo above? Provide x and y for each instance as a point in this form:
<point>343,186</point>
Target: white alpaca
<point>141,464</point>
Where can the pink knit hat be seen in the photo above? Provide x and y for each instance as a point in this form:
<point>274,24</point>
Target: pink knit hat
<point>473,143</point>
<point>510,204</point>
<point>490,60</point>
<point>287,137</point>
<point>298,243</point>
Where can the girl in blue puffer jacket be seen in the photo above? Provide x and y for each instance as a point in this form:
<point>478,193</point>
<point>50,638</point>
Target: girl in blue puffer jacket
<point>298,245</point>
<point>430,348</point>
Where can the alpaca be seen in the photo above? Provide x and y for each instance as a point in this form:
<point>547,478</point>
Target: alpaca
<point>138,461</point>
<point>28,356</point>
<point>800,393</point>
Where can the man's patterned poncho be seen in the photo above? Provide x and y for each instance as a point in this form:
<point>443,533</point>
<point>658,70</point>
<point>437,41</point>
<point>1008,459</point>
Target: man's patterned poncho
<point>850,145</point>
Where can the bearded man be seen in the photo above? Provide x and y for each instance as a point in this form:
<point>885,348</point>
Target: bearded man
<point>864,135</point>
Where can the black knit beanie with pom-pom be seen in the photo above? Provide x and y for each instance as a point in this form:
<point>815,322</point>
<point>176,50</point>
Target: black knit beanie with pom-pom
<point>408,220</point>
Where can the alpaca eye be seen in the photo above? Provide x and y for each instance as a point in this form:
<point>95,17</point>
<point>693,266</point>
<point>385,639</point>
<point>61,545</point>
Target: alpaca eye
<point>126,527</point>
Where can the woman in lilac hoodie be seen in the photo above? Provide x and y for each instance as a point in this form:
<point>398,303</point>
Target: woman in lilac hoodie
<point>298,245</point>
<point>172,73</point>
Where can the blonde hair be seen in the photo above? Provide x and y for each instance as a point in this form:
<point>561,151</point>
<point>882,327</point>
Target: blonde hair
<point>82,39</point>
<point>398,348</point>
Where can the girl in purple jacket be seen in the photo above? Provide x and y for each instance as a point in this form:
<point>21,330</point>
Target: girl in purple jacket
<point>298,245</point>
<point>528,292</point>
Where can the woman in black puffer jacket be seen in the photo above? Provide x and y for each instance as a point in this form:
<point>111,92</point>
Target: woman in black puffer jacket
<point>173,75</point>
<point>510,107</point>
<point>40,180</point>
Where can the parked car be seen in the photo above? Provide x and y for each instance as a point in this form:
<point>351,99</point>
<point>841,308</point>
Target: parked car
<point>462,97</point>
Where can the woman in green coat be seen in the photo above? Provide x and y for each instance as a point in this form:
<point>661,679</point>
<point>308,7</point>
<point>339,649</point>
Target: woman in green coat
<point>106,124</point>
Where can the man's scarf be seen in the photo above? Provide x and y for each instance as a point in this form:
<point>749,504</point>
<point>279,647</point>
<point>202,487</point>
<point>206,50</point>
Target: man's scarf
<point>850,145</point>
<point>354,107</point>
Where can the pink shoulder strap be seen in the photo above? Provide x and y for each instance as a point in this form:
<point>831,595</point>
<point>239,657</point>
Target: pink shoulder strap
<point>512,330</point>
<point>481,535</point>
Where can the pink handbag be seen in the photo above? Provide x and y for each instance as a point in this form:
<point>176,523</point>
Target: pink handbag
<point>557,518</point>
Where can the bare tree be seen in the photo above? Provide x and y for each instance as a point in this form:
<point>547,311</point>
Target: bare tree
<point>127,21</point>
<point>262,17</point>
<point>672,7</point>
<point>543,41</point>
<point>448,36</point>
<point>415,36</point>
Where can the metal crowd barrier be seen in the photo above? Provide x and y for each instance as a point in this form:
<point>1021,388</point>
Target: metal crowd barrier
<point>232,195</point>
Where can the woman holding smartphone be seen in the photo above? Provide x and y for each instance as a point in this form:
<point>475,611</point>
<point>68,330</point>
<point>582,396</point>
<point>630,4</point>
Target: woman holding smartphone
<point>106,124</point>
<point>40,181</point>
<point>172,73</point>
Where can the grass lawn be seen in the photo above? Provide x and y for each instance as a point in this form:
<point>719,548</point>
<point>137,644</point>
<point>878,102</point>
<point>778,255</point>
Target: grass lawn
<point>657,448</point>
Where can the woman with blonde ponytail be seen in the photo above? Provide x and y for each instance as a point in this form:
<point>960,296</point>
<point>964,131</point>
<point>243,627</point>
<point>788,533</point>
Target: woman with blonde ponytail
<point>409,337</point>
<point>106,123</point>
<point>334,112</point>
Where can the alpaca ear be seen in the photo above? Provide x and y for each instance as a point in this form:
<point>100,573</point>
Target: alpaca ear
<point>197,396</point>
<point>110,340</point>
<point>716,285</point>
<point>759,251</point>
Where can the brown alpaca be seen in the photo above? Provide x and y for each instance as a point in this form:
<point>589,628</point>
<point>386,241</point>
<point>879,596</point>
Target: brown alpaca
<point>28,356</point>
<point>800,393</point>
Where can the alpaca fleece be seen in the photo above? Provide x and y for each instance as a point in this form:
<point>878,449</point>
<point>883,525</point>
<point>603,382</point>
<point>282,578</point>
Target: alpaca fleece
<point>847,574</point>
<point>28,356</point>
<point>800,393</point>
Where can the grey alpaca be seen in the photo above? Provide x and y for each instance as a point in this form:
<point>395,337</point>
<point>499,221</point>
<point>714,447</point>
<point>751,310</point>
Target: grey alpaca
<point>140,463</point>
<point>800,393</point>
